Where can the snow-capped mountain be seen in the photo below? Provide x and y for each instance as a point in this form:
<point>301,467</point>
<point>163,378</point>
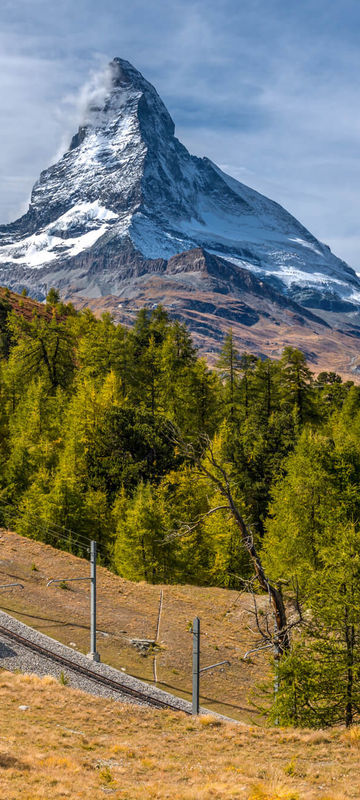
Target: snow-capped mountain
<point>127,196</point>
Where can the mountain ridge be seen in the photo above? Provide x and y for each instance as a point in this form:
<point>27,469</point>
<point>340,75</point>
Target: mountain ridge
<point>127,198</point>
<point>125,174</point>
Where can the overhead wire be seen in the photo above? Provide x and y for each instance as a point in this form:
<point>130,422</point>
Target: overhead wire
<point>54,524</point>
<point>62,533</point>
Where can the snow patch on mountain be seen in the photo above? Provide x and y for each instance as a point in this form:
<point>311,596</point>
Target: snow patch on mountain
<point>56,241</point>
<point>85,215</point>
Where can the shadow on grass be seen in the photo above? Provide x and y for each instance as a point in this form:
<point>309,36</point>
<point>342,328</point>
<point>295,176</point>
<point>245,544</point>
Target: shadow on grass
<point>205,698</point>
<point>10,762</point>
<point>45,619</point>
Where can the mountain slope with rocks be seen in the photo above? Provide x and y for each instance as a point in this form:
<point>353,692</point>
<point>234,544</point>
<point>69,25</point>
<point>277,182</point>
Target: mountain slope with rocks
<point>127,213</point>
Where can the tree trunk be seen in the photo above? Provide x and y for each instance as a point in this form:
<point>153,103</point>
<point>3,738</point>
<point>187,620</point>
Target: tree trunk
<point>275,595</point>
<point>218,476</point>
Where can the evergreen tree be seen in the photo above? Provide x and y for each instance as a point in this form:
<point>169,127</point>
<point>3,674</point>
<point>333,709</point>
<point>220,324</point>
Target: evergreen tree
<point>229,364</point>
<point>312,545</point>
<point>297,383</point>
<point>247,365</point>
<point>141,552</point>
<point>43,348</point>
<point>127,448</point>
<point>53,297</point>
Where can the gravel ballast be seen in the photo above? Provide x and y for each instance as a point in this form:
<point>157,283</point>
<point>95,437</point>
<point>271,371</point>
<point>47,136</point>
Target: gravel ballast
<point>16,656</point>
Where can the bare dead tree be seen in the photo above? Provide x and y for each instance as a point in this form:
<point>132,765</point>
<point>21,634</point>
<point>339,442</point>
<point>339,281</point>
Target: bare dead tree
<point>207,465</point>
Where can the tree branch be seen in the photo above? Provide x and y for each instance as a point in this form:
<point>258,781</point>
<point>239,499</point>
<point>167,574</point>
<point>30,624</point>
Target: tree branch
<point>217,474</point>
<point>185,529</point>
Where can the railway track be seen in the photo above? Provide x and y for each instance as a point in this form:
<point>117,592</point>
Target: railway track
<point>122,688</point>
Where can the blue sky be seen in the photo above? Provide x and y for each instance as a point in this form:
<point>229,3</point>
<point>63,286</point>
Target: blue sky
<point>269,89</point>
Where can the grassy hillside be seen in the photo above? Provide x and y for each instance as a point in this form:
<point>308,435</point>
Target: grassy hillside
<point>68,744</point>
<point>24,306</point>
<point>130,610</point>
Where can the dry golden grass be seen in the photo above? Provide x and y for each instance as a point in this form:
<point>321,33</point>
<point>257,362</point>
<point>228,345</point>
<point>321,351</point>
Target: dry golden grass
<point>128,610</point>
<point>70,745</point>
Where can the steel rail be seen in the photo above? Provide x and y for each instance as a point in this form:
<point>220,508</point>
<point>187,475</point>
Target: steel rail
<point>88,673</point>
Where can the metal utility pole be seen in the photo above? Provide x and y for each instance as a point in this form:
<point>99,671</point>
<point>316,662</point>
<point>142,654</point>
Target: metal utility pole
<point>196,666</point>
<point>94,655</point>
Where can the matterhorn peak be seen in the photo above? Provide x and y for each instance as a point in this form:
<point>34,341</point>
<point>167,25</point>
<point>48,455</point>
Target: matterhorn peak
<point>115,91</point>
<point>127,196</point>
<point>122,74</point>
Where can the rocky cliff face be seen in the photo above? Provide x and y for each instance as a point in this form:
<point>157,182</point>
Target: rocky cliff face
<point>127,197</point>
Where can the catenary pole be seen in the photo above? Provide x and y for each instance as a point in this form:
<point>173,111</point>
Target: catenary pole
<point>196,666</point>
<point>94,655</point>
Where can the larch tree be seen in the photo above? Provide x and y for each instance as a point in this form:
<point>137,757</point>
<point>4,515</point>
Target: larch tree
<point>312,546</point>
